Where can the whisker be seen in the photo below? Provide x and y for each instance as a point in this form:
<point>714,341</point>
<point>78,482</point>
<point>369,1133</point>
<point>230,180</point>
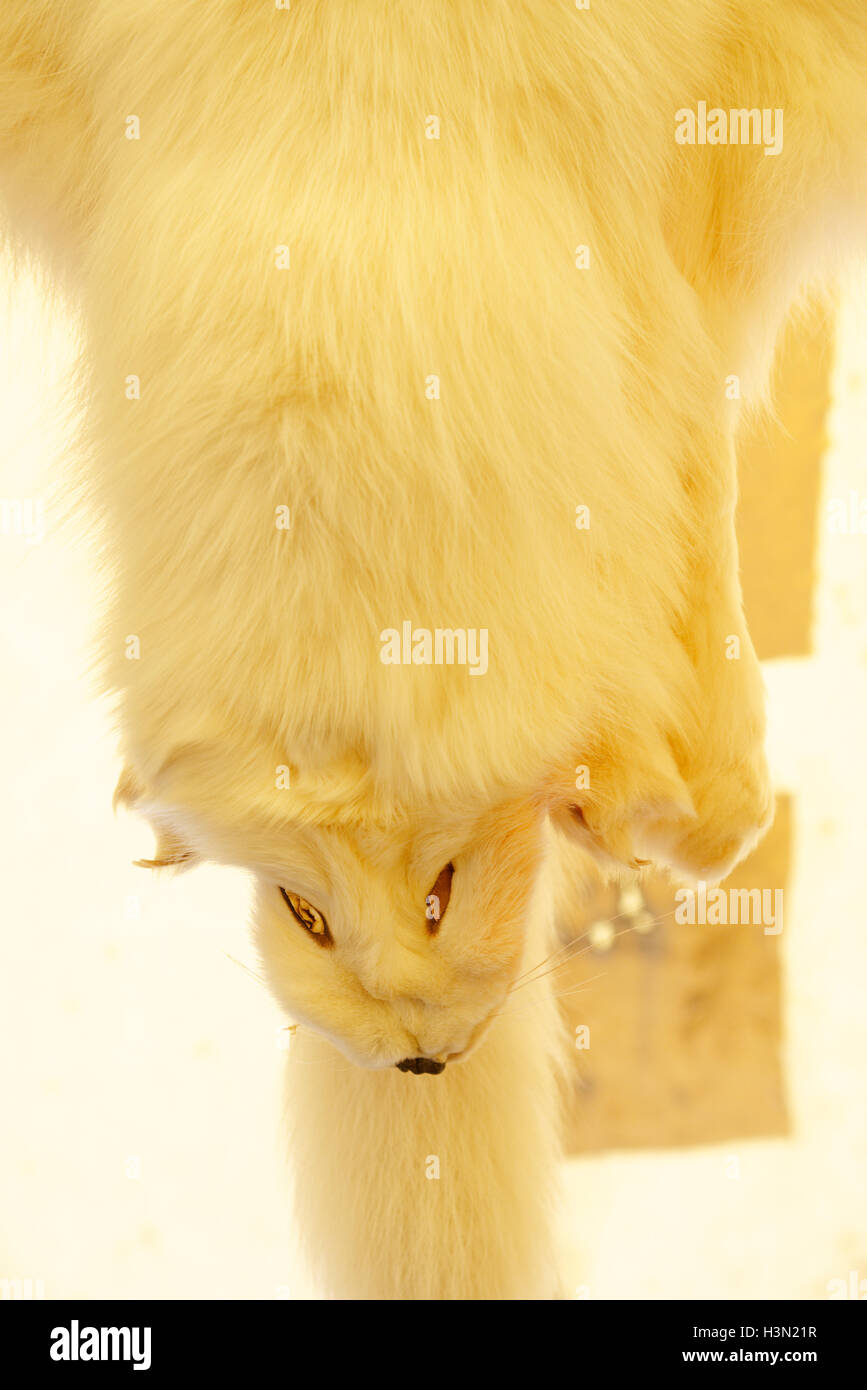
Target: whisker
<point>582,947</point>
<point>509,1011</point>
<point>523,980</point>
<point>576,989</point>
<point>260,979</point>
<point>568,945</point>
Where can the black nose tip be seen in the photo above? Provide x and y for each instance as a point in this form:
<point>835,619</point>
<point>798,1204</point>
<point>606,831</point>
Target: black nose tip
<point>421,1066</point>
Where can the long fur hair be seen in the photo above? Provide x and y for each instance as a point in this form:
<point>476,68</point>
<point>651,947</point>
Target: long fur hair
<point>329,265</point>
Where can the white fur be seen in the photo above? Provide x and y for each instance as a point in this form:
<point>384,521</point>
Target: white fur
<point>435,1187</point>
<point>304,388</point>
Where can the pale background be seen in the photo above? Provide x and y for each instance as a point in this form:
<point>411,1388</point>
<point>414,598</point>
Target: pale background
<point>140,1144</point>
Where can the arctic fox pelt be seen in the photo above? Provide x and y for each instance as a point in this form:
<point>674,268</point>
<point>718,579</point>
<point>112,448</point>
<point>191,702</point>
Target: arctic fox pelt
<point>416,338</point>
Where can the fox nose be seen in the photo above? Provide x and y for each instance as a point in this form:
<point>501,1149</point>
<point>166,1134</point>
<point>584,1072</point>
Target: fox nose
<point>421,1066</point>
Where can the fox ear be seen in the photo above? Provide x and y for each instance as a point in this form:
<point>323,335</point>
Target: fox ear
<point>636,809</point>
<point>623,809</point>
<point>128,791</point>
<point>170,850</point>
<point>632,835</point>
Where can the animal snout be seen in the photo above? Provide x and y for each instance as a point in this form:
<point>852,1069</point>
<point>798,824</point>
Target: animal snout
<point>421,1066</point>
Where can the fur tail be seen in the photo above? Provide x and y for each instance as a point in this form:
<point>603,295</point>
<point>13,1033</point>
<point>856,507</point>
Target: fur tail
<point>435,1187</point>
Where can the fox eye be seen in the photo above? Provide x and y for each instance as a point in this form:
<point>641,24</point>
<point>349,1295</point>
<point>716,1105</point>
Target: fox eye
<point>437,899</point>
<point>307,916</point>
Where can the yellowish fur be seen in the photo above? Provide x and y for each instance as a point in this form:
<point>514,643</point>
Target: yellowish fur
<point>309,388</point>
